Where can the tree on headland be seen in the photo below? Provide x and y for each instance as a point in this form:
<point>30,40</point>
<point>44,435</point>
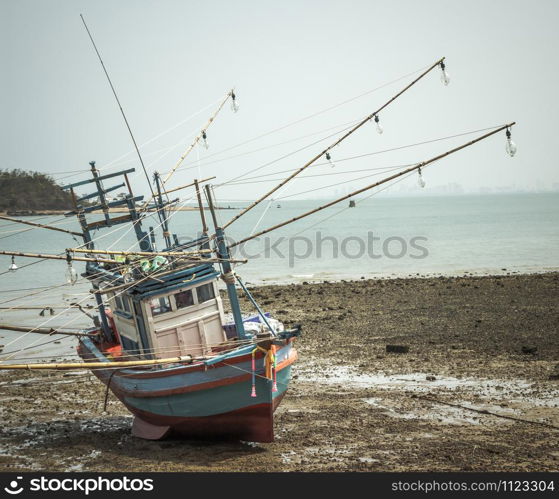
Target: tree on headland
<point>26,190</point>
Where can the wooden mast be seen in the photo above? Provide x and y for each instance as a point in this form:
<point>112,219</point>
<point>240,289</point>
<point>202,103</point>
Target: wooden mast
<point>161,211</point>
<point>201,207</point>
<point>228,276</point>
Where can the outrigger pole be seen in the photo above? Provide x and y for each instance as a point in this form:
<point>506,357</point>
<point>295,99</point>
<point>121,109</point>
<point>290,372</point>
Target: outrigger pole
<point>196,182</point>
<point>371,186</point>
<point>56,257</point>
<point>138,253</point>
<point>198,137</point>
<point>42,226</point>
<point>105,260</point>
<point>187,152</point>
<point>341,139</point>
<point>40,330</point>
<point>188,359</point>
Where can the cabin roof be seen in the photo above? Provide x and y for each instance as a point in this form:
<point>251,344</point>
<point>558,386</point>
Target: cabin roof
<point>165,283</point>
<point>179,280</point>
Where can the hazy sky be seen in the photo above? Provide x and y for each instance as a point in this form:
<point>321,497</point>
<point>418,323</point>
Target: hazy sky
<point>287,60</point>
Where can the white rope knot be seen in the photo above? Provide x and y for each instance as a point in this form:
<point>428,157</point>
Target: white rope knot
<point>229,278</point>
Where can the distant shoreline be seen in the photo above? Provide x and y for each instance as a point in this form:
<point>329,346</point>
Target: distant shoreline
<point>37,213</point>
<point>315,279</point>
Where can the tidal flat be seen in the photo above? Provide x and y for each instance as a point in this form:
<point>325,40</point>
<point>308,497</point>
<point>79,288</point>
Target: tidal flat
<point>476,388</point>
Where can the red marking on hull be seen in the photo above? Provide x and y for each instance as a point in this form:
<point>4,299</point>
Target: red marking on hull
<point>254,424</point>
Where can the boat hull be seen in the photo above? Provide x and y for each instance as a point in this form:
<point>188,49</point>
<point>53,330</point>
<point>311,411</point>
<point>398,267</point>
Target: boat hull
<point>253,423</point>
<point>200,400</point>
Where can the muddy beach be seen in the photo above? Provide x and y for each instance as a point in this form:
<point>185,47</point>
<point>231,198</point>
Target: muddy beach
<point>474,387</point>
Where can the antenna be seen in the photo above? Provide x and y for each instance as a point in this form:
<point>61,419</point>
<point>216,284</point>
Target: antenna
<point>119,105</point>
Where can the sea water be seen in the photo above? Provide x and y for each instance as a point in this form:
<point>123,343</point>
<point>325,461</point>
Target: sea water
<point>379,238</point>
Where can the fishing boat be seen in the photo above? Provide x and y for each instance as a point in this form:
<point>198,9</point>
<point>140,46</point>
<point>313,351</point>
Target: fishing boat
<point>162,343</point>
<point>207,377</point>
<point>161,340</point>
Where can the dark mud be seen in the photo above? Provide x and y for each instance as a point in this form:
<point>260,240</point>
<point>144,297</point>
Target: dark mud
<point>477,390</point>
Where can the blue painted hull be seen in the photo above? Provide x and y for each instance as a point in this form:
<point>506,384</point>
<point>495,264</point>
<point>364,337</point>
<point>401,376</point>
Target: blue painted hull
<point>198,400</point>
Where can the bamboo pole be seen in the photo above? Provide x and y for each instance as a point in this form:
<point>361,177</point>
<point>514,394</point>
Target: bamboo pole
<point>41,226</point>
<point>196,182</point>
<point>201,207</point>
<point>104,260</point>
<point>191,147</point>
<point>371,186</point>
<point>40,330</point>
<point>319,155</point>
<point>118,287</point>
<point>56,257</point>
<point>107,365</point>
<point>126,285</point>
<point>197,139</point>
<point>46,307</point>
<point>138,253</point>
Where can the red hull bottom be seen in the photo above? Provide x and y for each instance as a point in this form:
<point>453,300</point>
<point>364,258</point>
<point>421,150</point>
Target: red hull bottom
<point>253,424</point>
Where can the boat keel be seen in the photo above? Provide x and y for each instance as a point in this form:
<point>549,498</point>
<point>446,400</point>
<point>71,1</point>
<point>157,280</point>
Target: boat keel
<point>148,431</point>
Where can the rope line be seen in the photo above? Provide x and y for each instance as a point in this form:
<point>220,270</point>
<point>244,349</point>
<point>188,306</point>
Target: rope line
<point>313,115</point>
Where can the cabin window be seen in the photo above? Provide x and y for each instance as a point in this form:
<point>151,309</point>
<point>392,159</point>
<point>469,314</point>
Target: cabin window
<point>160,305</point>
<point>205,292</point>
<point>184,299</point>
<point>126,304</point>
<point>118,303</point>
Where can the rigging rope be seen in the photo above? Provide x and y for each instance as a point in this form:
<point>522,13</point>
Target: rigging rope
<point>349,158</point>
<point>313,115</point>
<point>206,163</point>
<point>399,167</point>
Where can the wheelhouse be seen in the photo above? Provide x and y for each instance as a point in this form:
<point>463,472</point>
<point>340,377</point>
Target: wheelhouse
<point>178,316</point>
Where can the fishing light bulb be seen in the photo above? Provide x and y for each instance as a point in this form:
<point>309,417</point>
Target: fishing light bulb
<point>329,159</point>
<point>445,77</point>
<point>379,126</point>
<point>234,104</point>
<point>205,139</point>
<point>13,266</point>
<point>420,180</point>
<point>510,146</point>
<point>71,274</point>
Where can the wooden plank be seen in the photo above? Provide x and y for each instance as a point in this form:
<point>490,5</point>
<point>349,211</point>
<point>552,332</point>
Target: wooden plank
<point>95,194</point>
<point>112,221</point>
<point>112,204</point>
<point>101,177</point>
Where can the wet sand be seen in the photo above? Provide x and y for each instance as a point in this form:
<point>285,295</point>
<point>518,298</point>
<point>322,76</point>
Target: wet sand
<point>478,389</point>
